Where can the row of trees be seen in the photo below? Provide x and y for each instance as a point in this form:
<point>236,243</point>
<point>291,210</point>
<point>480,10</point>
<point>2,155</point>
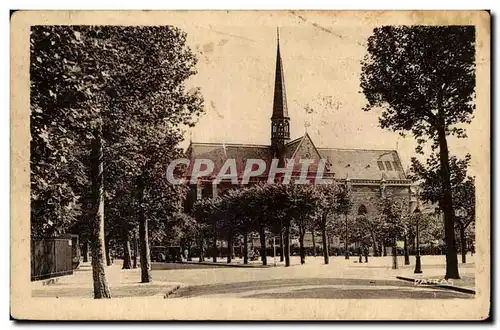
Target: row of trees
<point>285,210</point>
<point>108,105</point>
<point>463,193</point>
<point>282,210</point>
<point>276,208</point>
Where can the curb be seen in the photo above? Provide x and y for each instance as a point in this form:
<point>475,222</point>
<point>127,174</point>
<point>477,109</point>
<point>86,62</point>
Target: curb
<point>172,291</point>
<point>225,265</point>
<point>48,281</point>
<point>443,286</point>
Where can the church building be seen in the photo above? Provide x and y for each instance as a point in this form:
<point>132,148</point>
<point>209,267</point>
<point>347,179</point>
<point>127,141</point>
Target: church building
<point>371,174</point>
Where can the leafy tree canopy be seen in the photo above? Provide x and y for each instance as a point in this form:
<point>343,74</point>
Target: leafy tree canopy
<point>423,77</point>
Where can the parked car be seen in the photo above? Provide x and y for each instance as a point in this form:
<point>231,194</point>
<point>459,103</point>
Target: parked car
<point>158,253</point>
<point>166,254</point>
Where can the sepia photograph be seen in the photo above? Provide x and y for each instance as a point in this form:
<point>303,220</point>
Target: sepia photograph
<point>242,165</point>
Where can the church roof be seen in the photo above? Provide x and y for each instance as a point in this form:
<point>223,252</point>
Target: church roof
<point>292,146</point>
<point>219,152</point>
<point>361,164</point>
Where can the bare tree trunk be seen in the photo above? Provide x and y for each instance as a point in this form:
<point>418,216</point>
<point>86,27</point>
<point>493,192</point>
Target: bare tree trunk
<point>282,247</point>
<point>214,249</point>
<point>233,256</point>
<point>463,244</point>
<point>189,257</point>
<point>127,260</point>
<point>374,242</point>
<point>85,250</point>
<point>324,240</point>
<point>346,244</point>
<point>394,255</point>
<point>449,220</point>
<point>263,248</point>
<point>229,248</point>
<point>202,250</point>
<point>287,246</point>
<point>302,251</point>
<point>385,250</point>
<point>314,242</point>
<point>101,289</point>
<point>144,252</point>
<point>407,255</point>
<point>106,250</point>
<point>143,237</point>
<point>134,260</point>
<point>245,248</point>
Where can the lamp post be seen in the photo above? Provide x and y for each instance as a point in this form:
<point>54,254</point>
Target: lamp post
<point>346,244</point>
<point>418,266</point>
<point>274,250</point>
<point>460,215</point>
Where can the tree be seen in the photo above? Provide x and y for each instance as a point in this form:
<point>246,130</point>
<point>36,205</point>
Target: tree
<point>462,186</point>
<point>242,203</point>
<point>150,101</point>
<point>432,228</point>
<point>393,218</point>
<point>58,175</point>
<point>344,206</point>
<point>66,130</point>
<point>120,211</point>
<point>370,226</point>
<point>304,205</point>
<point>208,213</point>
<point>186,229</point>
<point>231,222</point>
<point>424,78</point>
<point>293,205</point>
<point>202,215</point>
<point>259,207</point>
<point>329,204</point>
<point>120,92</point>
<point>361,234</point>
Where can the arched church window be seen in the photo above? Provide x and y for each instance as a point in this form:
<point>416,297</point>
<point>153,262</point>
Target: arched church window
<point>362,210</point>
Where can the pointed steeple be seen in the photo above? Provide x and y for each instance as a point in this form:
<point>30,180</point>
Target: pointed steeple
<point>280,109</point>
<point>280,122</point>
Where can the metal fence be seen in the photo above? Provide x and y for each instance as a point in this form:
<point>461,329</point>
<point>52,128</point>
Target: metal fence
<point>51,257</point>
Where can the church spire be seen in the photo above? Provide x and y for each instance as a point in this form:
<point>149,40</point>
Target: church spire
<point>280,109</point>
<point>280,122</point>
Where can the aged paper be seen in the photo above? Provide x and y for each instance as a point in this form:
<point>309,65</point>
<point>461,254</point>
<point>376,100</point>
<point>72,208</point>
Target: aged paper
<point>320,55</point>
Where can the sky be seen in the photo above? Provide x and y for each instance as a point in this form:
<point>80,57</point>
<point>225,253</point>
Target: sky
<point>321,59</point>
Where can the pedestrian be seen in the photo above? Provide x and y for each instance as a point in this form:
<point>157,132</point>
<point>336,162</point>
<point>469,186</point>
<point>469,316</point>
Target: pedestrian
<point>366,254</point>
